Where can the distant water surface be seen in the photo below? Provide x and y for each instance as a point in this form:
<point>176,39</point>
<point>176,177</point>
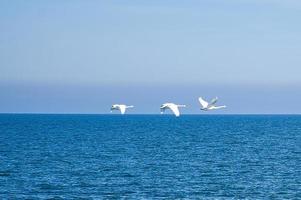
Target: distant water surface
<point>150,157</point>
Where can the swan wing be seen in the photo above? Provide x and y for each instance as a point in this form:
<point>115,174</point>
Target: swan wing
<point>203,102</point>
<point>175,110</point>
<point>213,101</point>
<point>122,109</point>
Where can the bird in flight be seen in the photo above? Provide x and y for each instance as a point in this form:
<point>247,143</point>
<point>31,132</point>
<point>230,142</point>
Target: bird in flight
<point>173,107</point>
<point>209,106</point>
<point>121,107</point>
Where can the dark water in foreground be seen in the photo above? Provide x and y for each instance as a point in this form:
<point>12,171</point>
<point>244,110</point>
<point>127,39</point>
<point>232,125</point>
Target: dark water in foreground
<point>136,157</point>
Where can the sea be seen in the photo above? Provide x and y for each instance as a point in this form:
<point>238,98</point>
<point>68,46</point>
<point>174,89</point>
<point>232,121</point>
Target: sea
<point>49,156</point>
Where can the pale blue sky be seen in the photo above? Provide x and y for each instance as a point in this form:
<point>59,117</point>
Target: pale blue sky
<point>82,56</point>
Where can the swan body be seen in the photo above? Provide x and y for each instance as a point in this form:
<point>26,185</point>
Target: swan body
<point>121,107</point>
<point>173,107</point>
<point>209,106</point>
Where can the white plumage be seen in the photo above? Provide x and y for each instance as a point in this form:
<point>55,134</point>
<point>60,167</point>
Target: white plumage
<point>173,107</point>
<point>209,106</point>
<point>121,107</point>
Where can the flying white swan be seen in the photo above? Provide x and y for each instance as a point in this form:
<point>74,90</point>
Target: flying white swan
<point>173,107</point>
<point>209,106</point>
<point>120,107</point>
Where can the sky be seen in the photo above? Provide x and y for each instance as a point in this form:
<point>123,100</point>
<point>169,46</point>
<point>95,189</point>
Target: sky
<point>81,56</point>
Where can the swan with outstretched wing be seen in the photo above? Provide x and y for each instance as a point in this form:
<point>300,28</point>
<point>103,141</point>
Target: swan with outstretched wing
<point>121,107</point>
<point>209,106</point>
<point>173,107</point>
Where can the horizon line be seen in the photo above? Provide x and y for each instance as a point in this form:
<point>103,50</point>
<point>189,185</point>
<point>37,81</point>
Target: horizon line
<point>41,113</point>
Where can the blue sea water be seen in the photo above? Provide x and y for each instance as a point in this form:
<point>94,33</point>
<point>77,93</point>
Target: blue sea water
<point>150,157</point>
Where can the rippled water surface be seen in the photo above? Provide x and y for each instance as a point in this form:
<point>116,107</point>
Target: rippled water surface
<point>148,157</point>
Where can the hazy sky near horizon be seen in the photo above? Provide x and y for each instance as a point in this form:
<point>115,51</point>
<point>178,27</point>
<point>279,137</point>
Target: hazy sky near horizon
<point>81,56</point>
